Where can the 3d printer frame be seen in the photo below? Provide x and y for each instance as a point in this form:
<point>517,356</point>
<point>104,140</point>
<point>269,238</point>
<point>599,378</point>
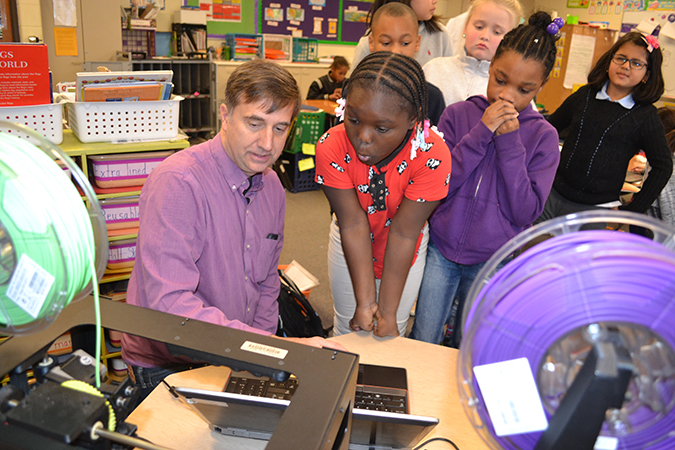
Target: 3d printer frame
<point>319,417</point>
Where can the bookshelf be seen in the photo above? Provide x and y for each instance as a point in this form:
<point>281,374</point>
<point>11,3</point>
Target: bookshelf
<point>188,38</point>
<point>79,151</point>
<point>192,80</point>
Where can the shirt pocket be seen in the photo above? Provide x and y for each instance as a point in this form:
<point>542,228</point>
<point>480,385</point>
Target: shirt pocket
<point>265,259</point>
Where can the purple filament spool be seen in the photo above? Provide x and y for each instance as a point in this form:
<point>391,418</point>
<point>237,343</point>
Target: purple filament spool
<point>562,286</point>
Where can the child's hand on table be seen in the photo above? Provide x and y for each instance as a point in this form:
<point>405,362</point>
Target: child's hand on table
<point>364,318</point>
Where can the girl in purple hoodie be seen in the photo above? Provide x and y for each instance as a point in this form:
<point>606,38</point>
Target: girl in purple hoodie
<point>504,159</point>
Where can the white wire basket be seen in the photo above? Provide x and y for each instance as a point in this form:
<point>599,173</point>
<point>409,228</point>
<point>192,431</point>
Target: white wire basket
<point>45,119</point>
<point>122,121</point>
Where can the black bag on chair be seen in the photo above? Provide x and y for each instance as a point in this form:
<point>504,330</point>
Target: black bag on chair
<point>297,318</point>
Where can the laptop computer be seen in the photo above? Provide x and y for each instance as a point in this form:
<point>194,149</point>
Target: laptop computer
<point>254,413</point>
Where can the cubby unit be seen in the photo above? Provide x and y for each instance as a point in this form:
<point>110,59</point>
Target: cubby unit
<point>80,151</point>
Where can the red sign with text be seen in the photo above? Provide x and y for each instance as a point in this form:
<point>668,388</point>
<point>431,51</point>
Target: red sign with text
<point>24,75</point>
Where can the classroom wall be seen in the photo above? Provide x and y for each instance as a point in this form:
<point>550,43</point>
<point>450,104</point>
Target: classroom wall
<point>30,19</point>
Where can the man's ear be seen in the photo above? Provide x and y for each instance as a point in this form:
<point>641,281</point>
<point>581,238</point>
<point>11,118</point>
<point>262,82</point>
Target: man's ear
<point>224,115</point>
<point>417,45</point>
<point>371,42</point>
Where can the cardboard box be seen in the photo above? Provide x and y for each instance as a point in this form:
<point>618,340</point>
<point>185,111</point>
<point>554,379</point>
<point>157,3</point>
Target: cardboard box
<point>190,16</point>
<point>24,75</point>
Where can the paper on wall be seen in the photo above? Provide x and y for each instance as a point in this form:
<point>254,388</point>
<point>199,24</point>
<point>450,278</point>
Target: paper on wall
<point>579,60</point>
<point>668,30</point>
<point>647,25</point>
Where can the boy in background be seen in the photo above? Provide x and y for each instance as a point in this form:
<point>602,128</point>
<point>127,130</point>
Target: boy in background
<point>394,29</point>
<point>329,87</point>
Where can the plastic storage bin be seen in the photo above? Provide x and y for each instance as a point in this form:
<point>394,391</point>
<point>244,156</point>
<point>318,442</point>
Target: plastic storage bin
<point>121,212</point>
<point>122,254</point>
<point>45,119</point>
<point>290,167</point>
<point>244,46</point>
<point>305,50</point>
<point>278,47</point>
<point>307,129</point>
<point>121,121</point>
<point>125,169</point>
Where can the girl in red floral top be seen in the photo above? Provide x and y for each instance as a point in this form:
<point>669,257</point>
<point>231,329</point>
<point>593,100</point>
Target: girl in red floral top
<point>383,171</point>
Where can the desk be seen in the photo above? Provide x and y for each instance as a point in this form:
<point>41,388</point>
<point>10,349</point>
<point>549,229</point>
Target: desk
<point>432,370</point>
<point>327,105</point>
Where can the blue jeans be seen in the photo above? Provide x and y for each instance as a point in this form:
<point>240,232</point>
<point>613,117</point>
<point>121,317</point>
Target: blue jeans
<point>148,378</point>
<point>444,282</point>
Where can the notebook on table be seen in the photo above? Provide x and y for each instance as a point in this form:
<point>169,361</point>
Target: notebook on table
<point>252,406</point>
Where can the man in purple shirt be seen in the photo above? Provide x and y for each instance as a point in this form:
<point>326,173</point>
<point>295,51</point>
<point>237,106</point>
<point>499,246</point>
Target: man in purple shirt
<point>212,223</point>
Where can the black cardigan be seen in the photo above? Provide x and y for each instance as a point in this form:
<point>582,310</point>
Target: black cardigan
<point>602,138</point>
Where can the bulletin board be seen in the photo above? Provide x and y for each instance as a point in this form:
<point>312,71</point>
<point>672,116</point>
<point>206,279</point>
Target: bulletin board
<point>216,28</point>
<point>329,21</point>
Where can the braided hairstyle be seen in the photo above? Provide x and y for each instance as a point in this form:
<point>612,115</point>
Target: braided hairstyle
<point>393,73</point>
<point>532,41</point>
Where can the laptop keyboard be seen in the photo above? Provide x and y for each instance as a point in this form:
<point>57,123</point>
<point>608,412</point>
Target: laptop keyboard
<point>262,388</point>
<point>367,397</point>
<point>380,399</point>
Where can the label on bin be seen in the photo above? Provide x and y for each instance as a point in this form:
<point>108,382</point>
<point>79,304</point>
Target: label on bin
<point>124,170</point>
<point>127,212</point>
<point>305,164</point>
<point>122,253</point>
<point>308,149</point>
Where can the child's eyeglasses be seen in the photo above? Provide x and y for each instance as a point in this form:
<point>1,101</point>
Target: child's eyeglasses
<point>633,63</point>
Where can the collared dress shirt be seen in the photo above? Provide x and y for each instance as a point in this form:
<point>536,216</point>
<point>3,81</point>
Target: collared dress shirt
<point>208,246</point>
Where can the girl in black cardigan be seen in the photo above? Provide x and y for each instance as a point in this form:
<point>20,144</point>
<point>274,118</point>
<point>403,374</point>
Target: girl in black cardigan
<point>610,120</point>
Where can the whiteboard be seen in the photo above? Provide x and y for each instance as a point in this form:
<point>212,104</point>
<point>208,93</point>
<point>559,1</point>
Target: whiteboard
<point>667,44</point>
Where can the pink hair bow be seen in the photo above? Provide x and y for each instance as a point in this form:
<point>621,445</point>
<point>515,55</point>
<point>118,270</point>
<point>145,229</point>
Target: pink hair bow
<point>652,42</point>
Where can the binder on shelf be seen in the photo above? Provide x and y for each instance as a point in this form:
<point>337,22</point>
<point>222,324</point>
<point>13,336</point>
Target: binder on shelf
<point>127,92</point>
<point>109,78</point>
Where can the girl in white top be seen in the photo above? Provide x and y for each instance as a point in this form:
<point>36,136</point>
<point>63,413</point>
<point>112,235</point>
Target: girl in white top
<point>466,74</point>
<point>434,38</point>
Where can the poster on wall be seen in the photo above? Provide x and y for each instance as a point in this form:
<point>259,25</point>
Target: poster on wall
<point>325,20</point>
<point>633,5</point>
<point>218,10</point>
<point>354,16</point>
<point>577,3</point>
<point>301,18</point>
<point>668,5</point>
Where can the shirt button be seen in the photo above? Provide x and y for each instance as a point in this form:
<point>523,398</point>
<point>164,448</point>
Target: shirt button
<point>247,211</point>
<point>248,309</point>
<point>248,246</point>
<point>234,187</point>
<point>246,278</point>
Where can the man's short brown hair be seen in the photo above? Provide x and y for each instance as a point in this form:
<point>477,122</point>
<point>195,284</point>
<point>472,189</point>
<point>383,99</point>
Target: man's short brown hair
<point>262,81</point>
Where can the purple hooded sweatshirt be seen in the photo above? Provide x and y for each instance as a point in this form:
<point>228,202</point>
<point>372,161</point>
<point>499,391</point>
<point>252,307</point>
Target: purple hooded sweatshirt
<point>498,185</point>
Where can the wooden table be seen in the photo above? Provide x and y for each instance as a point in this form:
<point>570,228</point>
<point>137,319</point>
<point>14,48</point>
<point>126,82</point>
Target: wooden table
<point>164,420</point>
<point>327,105</point>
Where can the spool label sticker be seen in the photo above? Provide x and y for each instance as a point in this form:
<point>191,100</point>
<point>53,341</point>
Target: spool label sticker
<point>606,443</point>
<point>262,349</point>
<point>511,397</point>
<point>29,285</point>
